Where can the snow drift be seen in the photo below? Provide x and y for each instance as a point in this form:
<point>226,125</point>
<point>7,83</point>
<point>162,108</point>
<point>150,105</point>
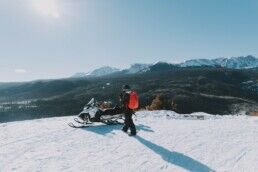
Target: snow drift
<point>166,141</point>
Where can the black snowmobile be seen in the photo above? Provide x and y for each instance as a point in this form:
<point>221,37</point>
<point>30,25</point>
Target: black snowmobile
<point>91,114</point>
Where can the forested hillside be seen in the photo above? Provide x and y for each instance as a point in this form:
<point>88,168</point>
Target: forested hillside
<point>213,90</point>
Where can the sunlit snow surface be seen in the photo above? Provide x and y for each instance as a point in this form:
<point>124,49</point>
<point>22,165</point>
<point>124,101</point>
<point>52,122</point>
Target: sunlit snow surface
<point>166,141</point>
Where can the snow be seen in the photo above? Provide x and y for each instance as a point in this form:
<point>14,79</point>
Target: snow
<point>80,75</point>
<point>102,71</point>
<point>138,68</point>
<point>106,70</point>
<point>198,62</point>
<point>232,63</point>
<point>166,141</point>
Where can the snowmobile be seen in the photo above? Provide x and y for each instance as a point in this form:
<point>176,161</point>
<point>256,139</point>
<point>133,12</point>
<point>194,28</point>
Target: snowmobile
<point>92,114</point>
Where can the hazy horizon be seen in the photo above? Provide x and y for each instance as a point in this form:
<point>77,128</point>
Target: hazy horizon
<point>48,39</point>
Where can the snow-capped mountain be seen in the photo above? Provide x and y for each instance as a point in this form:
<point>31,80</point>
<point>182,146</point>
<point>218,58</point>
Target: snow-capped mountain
<point>135,68</point>
<point>106,70</point>
<point>238,62</point>
<point>241,62</point>
<point>232,63</point>
<point>80,75</point>
<point>198,62</point>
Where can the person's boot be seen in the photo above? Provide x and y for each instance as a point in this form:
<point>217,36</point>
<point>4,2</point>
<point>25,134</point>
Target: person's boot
<point>132,134</point>
<point>97,117</point>
<point>124,129</point>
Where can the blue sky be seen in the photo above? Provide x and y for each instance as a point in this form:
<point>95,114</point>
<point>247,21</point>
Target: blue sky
<point>42,39</point>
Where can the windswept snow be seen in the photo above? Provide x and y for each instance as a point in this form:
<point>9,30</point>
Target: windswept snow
<point>166,141</point>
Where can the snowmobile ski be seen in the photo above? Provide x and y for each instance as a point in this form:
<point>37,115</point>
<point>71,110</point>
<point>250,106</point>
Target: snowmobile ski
<point>81,122</point>
<point>78,126</point>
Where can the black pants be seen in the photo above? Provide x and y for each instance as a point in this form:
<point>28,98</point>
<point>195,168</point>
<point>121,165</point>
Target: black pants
<point>128,124</point>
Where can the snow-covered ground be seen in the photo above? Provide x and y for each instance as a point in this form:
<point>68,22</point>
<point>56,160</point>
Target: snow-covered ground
<point>166,141</point>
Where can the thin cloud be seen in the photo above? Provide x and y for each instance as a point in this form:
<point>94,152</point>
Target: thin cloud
<point>20,71</point>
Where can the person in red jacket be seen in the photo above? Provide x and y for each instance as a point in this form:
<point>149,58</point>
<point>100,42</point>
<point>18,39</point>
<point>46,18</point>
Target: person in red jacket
<point>124,99</point>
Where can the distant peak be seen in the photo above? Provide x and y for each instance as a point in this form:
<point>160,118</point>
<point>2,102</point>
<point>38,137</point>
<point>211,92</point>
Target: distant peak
<point>240,62</point>
<point>138,67</point>
<point>105,70</point>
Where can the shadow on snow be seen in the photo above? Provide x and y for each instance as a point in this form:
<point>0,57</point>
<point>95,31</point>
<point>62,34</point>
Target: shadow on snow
<point>105,129</point>
<point>172,157</point>
<point>175,158</point>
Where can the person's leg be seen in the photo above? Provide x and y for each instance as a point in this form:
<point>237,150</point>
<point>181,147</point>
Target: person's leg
<point>132,127</point>
<point>127,121</point>
<point>130,123</point>
<point>125,127</point>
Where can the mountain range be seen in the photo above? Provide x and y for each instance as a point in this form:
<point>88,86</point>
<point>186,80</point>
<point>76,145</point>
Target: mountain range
<point>213,86</point>
<point>107,70</point>
<point>242,62</point>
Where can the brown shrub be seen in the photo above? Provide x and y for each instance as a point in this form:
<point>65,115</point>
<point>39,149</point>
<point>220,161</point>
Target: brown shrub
<point>254,113</point>
<point>158,103</point>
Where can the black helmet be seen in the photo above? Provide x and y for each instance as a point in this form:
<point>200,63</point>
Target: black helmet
<point>126,87</point>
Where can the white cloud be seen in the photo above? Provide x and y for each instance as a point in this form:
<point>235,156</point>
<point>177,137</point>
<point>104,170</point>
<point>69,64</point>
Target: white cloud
<point>20,71</point>
<point>47,7</point>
